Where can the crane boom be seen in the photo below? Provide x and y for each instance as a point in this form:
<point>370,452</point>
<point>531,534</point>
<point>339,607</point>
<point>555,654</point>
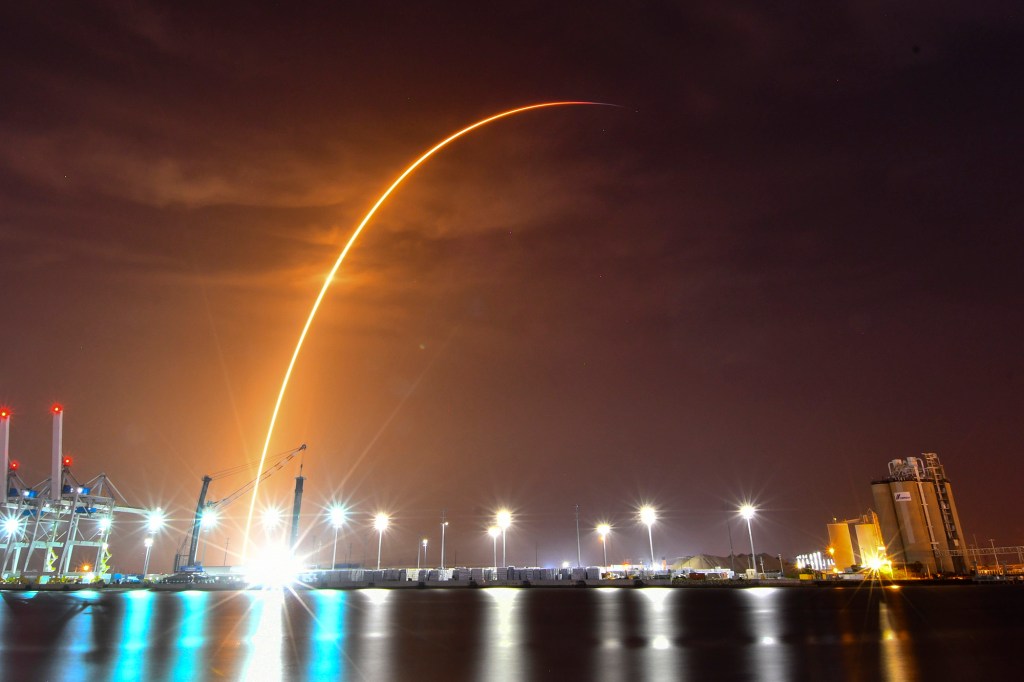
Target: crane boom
<point>259,479</point>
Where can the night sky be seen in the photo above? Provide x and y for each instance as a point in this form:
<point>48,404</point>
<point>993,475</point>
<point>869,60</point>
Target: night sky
<point>791,254</point>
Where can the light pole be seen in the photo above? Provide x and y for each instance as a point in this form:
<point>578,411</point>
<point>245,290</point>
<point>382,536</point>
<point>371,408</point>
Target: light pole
<point>648,516</point>
<point>425,552</point>
<point>747,511</point>
<point>380,524</point>
<point>999,569</point>
<point>603,530</point>
<point>504,521</point>
<point>148,542</point>
<point>337,515</point>
<point>444,524</point>
<point>494,532</point>
<point>153,524</point>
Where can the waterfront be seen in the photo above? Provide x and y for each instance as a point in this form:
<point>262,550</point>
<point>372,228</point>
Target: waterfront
<point>514,634</point>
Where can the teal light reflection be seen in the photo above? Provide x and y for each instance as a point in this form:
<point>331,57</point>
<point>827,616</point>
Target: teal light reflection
<point>135,636</point>
<point>329,637</point>
<point>187,664</point>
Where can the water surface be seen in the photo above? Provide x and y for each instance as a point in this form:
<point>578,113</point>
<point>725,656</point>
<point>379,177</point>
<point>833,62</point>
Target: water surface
<point>833,633</point>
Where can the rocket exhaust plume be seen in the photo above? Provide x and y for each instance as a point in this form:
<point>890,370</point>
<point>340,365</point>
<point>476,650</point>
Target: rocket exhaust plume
<point>341,257</point>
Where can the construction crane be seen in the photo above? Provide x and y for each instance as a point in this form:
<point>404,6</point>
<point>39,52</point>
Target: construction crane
<point>203,506</point>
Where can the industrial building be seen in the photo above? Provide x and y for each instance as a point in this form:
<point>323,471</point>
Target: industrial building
<point>856,542</point>
<point>918,517</point>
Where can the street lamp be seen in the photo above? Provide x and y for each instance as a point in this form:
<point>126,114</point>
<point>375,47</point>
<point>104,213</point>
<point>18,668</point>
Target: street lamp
<point>444,525</point>
<point>747,511</point>
<point>603,529</point>
<point>148,542</point>
<point>648,516</point>
<point>494,532</point>
<point>504,521</point>
<point>423,543</point>
<point>380,524</point>
<point>337,515</point>
<point>154,523</point>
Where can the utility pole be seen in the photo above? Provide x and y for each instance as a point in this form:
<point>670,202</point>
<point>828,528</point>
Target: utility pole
<point>579,551</point>
<point>227,541</point>
<point>999,569</point>
<point>732,553</point>
<point>444,524</point>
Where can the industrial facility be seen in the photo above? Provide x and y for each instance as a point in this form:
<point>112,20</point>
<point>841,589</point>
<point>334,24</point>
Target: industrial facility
<point>913,531</point>
<point>58,528</point>
<point>918,517</point>
<point>856,542</point>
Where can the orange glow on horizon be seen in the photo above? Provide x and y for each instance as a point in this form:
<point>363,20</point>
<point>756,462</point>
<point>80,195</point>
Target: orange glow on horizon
<point>337,265</point>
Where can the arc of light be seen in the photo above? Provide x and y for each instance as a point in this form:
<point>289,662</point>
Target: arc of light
<point>341,257</point>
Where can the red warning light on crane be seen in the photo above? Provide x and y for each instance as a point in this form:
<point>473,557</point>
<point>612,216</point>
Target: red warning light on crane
<point>67,460</point>
<point>57,408</point>
<point>13,465</point>
<point>5,412</point>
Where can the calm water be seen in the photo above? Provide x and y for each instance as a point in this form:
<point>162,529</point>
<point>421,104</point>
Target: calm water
<point>936,633</point>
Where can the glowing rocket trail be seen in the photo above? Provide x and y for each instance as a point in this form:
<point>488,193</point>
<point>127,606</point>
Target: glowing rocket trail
<point>341,258</point>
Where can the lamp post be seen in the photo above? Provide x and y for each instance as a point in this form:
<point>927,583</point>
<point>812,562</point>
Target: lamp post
<point>380,524</point>
<point>603,530</point>
<point>494,532</point>
<point>425,552</point>
<point>504,521</point>
<point>444,524</point>
<point>422,544</point>
<point>153,524</point>
<point>648,516</point>
<point>148,542</point>
<point>337,515</point>
<point>747,511</point>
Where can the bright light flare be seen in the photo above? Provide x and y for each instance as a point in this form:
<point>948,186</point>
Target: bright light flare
<point>494,531</point>
<point>381,522</point>
<point>208,519</point>
<point>156,521</point>
<point>341,258</point>
<point>12,526</point>
<point>603,529</point>
<point>274,566</point>
<point>337,515</point>
<point>271,518</point>
<point>504,519</point>
<point>104,523</point>
<point>648,515</point>
<point>747,511</point>
<point>148,542</point>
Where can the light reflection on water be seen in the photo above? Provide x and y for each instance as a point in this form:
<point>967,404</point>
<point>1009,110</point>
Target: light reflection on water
<point>511,634</point>
<point>768,656</point>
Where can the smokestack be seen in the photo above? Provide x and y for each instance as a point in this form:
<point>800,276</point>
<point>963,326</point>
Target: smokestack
<point>5,443</point>
<point>299,480</point>
<point>56,479</point>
